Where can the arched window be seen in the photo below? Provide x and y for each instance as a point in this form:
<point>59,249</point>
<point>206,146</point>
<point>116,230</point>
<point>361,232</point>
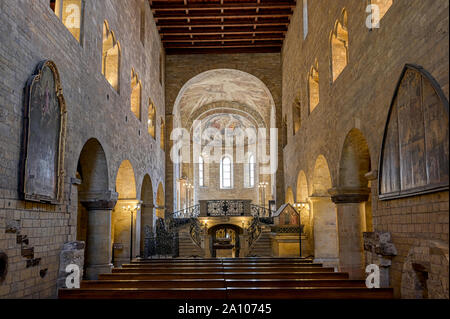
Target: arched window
<point>226,172</point>
<point>339,46</point>
<point>296,115</point>
<point>162,134</point>
<point>313,85</point>
<point>136,89</point>
<point>151,119</point>
<point>305,18</point>
<point>111,57</point>
<point>70,13</point>
<point>201,171</point>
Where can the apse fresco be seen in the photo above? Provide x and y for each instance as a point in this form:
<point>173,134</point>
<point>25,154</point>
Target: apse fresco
<point>217,127</point>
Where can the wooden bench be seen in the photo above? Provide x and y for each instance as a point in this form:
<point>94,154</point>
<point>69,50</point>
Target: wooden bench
<point>209,265</point>
<point>221,275</point>
<point>179,283</point>
<point>220,283</point>
<point>222,260</point>
<point>308,293</point>
<point>220,269</point>
<point>144,293</point>
<point>227,293</point>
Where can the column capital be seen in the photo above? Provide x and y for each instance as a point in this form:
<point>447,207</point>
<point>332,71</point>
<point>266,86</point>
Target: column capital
<point>372,175</point>
<point>348,195</point>
<point>99,200</point>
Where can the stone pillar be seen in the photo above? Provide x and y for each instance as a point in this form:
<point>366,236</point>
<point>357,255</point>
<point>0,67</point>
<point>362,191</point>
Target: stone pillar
<point>325,231</point>
<point>350,205</point>
<point>171,187</point>
<point>98,243</point>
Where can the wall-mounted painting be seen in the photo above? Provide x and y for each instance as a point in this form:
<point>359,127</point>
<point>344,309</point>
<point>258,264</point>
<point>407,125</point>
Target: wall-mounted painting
<point>44,136</point>
<point>415,154</point>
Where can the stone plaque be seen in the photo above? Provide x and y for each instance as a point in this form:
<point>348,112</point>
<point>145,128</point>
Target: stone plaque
<point>44,136</point>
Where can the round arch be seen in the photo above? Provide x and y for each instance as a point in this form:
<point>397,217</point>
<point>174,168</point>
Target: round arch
<point>146,217</point>
<point>302,187</point>
<point>290,196</point>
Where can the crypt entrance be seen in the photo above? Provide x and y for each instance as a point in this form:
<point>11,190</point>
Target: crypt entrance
<point>225,241</point>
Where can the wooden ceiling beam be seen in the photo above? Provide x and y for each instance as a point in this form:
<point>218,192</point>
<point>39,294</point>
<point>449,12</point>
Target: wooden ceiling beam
<point>159,6</point>
<point>260,37</point>
<point>220,45</point>
<point>210,31</point>
<point>223,50</point>
<point>218,15</point>
<point>218,23</point>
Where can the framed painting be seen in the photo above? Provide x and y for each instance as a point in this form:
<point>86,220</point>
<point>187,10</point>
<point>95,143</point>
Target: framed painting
<point>44,136</point>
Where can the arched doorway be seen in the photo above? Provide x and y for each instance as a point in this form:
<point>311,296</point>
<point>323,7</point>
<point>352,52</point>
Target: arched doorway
<point>147,216</point>
<point>95,203</point>
<point>225,241</point>
<point>123,232</point>
<point>351,197</point>
<point>324,215</point>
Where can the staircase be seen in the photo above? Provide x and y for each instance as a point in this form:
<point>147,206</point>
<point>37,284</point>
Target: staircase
<point>186,246</point>
<point>263,246</point>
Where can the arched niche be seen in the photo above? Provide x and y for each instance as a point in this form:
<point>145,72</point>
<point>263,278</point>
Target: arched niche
<point>160,201</point>
<point>92,172</point>
<point>324,215</point>
<point>147,216</point>
<point>290,196</point>
<point>355,161</point>
<point>302,187</point>
<point>123,230</point>
<point>415,149</point>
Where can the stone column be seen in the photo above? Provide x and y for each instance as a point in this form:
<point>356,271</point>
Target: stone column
<point>350,205</point>
<point>98,243</point>
<point>325,231</point>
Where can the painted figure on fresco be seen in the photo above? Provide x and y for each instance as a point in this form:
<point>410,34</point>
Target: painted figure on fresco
<point>44,144</point>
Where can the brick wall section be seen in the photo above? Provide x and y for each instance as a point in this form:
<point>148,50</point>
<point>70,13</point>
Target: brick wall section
<point>412,31</point>
<point>30,32</point>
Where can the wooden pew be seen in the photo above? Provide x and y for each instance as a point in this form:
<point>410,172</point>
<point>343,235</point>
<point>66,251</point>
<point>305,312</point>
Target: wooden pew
<point>221,275</point>
<point>308,293</point>
<point>220,283</point>
<point>227,293</point>
<point>144,293</point>
<point>179,283</point>
<point>219,269</point>
<point>208,265</point>
<point>222,260</point>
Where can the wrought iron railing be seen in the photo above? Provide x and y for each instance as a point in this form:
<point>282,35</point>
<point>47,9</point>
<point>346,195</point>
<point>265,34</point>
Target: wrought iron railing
<point>190,212</point>
<point>260,211</point>
<point>196,232</point>
<point>254,231</point>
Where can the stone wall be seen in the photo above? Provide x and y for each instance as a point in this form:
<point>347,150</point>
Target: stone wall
<point>411,32</point>
<point>31,32</point>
